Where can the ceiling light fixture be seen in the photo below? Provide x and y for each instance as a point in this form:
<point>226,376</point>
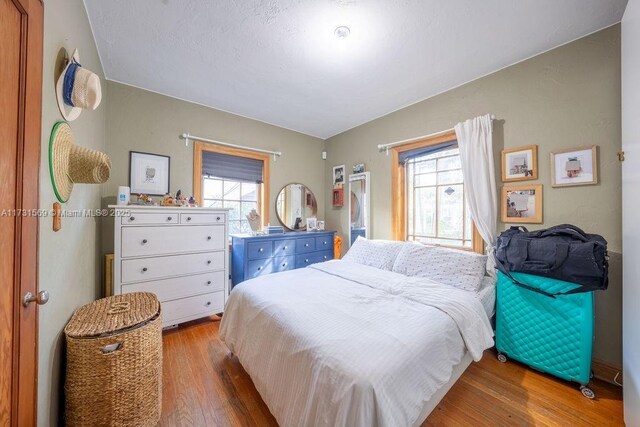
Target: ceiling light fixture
<point>342,32</point>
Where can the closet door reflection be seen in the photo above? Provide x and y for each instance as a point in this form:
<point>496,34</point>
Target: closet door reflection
<point>359,206</point>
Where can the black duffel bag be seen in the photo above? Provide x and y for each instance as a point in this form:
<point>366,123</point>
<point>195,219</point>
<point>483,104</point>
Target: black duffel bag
<point>563,252</point>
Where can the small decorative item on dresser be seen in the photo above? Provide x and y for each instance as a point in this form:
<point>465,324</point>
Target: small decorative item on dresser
<point>312,224</point>
<point>115,343</point>
<point>320,225</point>
<point>255,222</point>
<point>338,197</point>
<point>274,229</point>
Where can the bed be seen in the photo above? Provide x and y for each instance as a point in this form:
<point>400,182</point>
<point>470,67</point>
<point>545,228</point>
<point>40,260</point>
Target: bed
<point>342,343</point>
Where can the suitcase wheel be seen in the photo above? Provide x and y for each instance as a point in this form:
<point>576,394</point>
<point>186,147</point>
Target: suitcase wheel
<point>587,392</point>
<point>502,358</point>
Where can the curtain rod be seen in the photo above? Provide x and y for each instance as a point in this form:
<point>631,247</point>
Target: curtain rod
<point>386,147</point>
<point>187,136</point>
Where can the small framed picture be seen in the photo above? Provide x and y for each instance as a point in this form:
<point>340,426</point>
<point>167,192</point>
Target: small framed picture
<point>320,225</point>
<point>338,175</point>
<point>576,166</point>
<point>312,224</point>
<point>520,164</point>
<point>522,203</point>
<point>148,173</point>
<point>358,168</point>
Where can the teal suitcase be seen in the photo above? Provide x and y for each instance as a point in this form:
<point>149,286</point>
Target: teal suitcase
<point>550,334</point>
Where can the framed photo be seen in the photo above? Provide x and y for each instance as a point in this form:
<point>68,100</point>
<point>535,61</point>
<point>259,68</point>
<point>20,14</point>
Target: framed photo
<point>148,173</point>
<point>312,224</point>
<point>358,168</point>
<point>520,164</point>
<point>576,166</point>
<point>338,175</point>
<point>522,203</point>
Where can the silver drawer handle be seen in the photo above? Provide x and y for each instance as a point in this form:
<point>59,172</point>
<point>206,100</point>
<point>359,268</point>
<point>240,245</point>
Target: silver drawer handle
<point>208,237</point>
<point>324,243</point>
<point>144,241</point>
<point>306,245</point>
<point>218,219</point>
<point>325,257</point>
<point>188,218</point>
<point>144,269</point>
<point>208,303</point>
<point>169,218</point>
<point>261,250</point>
<point>208,282</point>
<point>285,248</point>
<point>132,218</point>
<point>284,265</point>
<point>306,260</point>
<point>259,268</point>
<point>208,261</point>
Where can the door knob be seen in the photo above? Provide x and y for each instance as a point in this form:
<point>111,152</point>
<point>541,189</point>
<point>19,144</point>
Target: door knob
<point>40,298</point>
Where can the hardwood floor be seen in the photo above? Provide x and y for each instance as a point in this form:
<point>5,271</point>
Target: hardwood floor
<point>204,386</point>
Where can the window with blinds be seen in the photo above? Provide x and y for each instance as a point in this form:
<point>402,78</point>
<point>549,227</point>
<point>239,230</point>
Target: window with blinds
<point>436,211</point>
<point>232,182</point>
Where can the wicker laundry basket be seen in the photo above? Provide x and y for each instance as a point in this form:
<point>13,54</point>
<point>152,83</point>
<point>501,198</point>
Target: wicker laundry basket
<point>114,362</point>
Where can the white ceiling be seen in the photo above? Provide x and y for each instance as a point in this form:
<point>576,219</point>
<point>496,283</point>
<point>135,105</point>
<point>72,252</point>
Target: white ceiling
<point>278,61</point>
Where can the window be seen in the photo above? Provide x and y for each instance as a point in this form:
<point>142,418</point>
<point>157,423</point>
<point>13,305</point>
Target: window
<point>232,178</point>
<point>427,194</point>
<point>436,209</point>
<point>241,197</point>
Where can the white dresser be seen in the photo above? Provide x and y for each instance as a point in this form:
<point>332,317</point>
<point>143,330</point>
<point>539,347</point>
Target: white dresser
<point>180,254</point>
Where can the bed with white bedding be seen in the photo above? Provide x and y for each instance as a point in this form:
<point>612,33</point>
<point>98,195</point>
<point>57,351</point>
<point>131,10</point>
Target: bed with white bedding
<point>346,344</point>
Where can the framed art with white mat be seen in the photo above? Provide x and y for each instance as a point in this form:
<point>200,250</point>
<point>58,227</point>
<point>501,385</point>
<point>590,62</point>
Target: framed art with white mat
<point>149,173</point>
<point>575,166</point>
<point>520,163</point>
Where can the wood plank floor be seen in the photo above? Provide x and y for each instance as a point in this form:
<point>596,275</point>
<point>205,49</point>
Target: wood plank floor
<point>205,386</point>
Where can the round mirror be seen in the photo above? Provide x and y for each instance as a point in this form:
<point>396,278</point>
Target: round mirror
<point>295,203</point>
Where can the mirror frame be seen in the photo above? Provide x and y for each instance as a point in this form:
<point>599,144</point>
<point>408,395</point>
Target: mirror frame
<point>366,209</point>
<point>303,227</point>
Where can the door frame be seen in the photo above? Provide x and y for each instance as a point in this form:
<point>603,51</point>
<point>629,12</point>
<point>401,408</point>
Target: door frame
<point>24,390</point>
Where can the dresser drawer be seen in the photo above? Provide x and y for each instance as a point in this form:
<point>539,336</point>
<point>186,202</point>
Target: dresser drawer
<point>202,218</point>
<point>307,244</point>
<point>304,260</point>
<point>143,241</point>
<point>147,218</point>
<point>259,267</point>
<point>192,307</point>
<point>284,247</point>
<point>144,269</point>
<point>180,287</point>
<point>260,250</point>
<point>284,263</point>
<point>324,243</point>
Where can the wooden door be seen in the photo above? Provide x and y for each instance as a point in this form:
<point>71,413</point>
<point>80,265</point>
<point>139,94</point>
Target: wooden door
<point>21,26</point>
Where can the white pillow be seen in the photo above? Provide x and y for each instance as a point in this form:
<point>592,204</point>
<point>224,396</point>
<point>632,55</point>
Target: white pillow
<point>374,253</point>
<point>462,269</point>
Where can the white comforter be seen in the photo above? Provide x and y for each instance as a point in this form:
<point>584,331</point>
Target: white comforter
<point>342,344</point>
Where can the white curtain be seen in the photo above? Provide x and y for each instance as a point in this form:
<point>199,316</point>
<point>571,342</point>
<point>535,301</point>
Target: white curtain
<point>476,154</point>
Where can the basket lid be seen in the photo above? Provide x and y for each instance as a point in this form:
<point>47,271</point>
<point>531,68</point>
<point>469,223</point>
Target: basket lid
<point>112,314</point>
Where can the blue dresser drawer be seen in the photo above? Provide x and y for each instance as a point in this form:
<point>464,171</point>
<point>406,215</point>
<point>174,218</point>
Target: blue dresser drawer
<point>323,243</point>
<point>304,260</point>
<point>284,263</point>
<point>325,256</point>
<point>307,244</point>
<point>260,250</point>
<point>259,267</point>
<point>284,247</point>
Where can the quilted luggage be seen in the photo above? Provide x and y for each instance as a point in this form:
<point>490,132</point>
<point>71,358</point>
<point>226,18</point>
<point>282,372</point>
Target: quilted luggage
<point>541,326</point>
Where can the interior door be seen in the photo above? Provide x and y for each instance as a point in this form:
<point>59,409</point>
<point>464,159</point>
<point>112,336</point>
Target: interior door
<point>21,25</point>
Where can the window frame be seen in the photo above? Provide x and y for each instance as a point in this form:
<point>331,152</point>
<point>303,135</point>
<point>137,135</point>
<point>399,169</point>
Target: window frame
<point>399,189</point>
<point>198,179</point>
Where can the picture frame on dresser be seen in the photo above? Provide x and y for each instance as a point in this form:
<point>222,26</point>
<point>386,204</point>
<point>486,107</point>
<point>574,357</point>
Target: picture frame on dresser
<point>180,254</point>
<point>149,173</point>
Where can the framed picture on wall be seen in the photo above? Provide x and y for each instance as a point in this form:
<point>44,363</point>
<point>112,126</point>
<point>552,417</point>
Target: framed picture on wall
<point>520,164</point>
<point>338,175</point>
<point>575,166</point>
<point>522,203</point>
<point>149,173</point>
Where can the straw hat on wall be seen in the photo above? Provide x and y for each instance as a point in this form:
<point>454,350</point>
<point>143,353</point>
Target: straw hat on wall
<point>71,164</point>
<point>77,88</point>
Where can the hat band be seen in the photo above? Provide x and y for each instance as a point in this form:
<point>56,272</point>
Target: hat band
<point>69,80</point>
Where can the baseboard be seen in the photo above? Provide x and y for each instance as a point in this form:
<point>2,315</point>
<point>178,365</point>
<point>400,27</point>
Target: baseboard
<point>606,372</point>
